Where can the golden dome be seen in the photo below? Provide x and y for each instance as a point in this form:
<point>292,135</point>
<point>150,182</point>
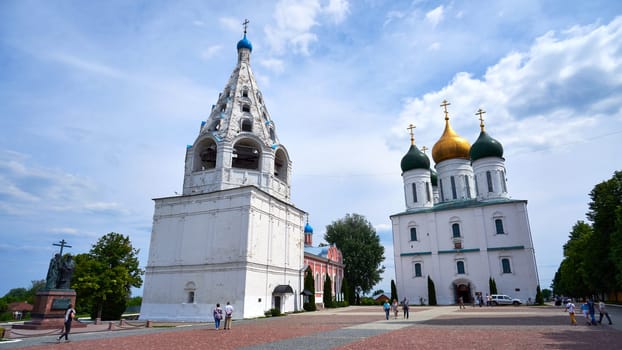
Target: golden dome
<point>450,145</point>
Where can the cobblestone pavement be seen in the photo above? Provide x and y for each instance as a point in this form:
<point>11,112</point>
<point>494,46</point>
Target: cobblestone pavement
<point>523,327</point>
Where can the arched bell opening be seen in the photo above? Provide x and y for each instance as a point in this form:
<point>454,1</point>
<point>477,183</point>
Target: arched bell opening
<point>246,155</point>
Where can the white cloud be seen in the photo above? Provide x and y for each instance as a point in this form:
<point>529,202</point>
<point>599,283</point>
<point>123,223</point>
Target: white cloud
<point>231,23</point>
<point>66,230</point>
<point>562,86</point>
<point>435,16</point>
<point>295,20</point>
<point>85,65</point>
<point>211,52</point>
<point>337,9</point>
<point>273,64</point>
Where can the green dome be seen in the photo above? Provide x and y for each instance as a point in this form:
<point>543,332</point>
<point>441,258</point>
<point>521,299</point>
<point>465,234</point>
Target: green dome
<point>415,159</point>
<point>433,178</point>
<point>486,146</point>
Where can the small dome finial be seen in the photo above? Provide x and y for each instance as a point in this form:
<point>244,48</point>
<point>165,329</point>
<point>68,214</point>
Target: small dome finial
<point>444,105</point>
<point>412,135</point>
<point>481,113</point>
<point>245,24</point>
<point>424,148</point>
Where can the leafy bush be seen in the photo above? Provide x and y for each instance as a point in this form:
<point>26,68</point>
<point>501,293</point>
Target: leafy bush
<point>343,303</point>
<point>267,313</point>
<point>275,312</point>
<point>368,301</point>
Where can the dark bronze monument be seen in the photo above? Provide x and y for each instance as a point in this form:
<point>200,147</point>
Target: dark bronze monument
<point>52,302</point>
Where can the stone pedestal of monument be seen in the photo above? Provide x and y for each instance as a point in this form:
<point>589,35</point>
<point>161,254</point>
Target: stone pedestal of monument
<point>49,310</point>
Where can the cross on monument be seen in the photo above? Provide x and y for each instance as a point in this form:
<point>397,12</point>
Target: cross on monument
<point>412,135</point>
<point>62,244</point>
<point>444,105</point>
<point>481,113</point>
<point>424,148</point>
<point>245,24</point>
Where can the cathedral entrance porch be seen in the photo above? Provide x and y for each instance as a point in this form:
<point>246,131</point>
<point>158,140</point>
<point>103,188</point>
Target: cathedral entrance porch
<point>462,289</point>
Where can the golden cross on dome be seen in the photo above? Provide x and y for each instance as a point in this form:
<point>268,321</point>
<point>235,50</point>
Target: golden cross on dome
<point>245,24</point>
<point>444,105</point>
<point>424,148</point>
<point>412,135</point>
<point>481,113</point>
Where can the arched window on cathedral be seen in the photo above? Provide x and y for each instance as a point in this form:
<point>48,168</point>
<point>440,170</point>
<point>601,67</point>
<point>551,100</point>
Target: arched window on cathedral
<point>460,267</point>
<point>414,189</point>
<point>455,229</point>
<point>280,165</point>
<point>505,265</point>
<point>215,126</point>
<point>272,135</point>
<point>503,184</point>
<point>499,226</point>
<point>205,156</point>
<point>454,193</point>
<point>247,125</point>
<point>413,233</point>
<point>489,181</point>
<point>246,108</point>
<point>417,269</point>
<point>245,92</point>
<point>246,155</point>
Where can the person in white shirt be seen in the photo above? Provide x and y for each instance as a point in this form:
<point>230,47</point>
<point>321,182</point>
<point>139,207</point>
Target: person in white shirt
<point>228,315</point>
<point>603,312</point>
<point>570,308</point>
<point>70,314</point>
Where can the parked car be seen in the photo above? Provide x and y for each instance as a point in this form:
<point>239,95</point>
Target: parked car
<point>500,299</point>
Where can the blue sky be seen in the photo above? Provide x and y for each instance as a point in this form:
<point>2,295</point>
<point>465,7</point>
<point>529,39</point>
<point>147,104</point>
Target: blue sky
<point>99,99</point>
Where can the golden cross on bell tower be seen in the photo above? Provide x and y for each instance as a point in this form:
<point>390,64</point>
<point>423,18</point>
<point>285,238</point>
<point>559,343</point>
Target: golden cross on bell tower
<point>245,24</point>
<point>444,105</point>
<point>481,113</point>
<point>424,148</point>
<point>412,135</point>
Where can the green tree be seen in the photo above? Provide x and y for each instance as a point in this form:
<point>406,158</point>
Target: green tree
<point>546,294</point>
<point>431,292</point>
<point>328,292</point>
<point>605,204</point>
<point>572,277</point>
<point>309,287</point>
<point>539,298</point>
<point>394,291</point>
<point>616,250</point>
<point>361,249</point>
<point>103,278</point>
<point>348,293</point>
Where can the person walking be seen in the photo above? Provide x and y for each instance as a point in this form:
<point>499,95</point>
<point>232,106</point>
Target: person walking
<point>405,307</point>
<point>585,309</point>
<point>395,308</point>
<point>70,314</point>
<point>461,303</point>
<point>603,312</point>
<point>591,309</point>
<point>217,316</point>
<point>387,308</point>
<point>228,316</point>
<point>570,308</point>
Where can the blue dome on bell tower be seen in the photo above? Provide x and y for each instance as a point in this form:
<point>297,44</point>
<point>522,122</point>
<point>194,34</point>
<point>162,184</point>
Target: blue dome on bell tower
<point>245,44</point>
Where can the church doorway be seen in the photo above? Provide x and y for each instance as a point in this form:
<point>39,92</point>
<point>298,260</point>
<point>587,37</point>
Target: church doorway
<point>277,303</point>
<point>463,290</point>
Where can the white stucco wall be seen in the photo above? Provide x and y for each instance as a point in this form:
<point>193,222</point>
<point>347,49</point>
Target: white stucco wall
<point>235,245</point>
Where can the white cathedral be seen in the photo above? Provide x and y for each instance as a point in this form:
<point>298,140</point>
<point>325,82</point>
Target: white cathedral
<point>233,235</point>
<point>460,227</point>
